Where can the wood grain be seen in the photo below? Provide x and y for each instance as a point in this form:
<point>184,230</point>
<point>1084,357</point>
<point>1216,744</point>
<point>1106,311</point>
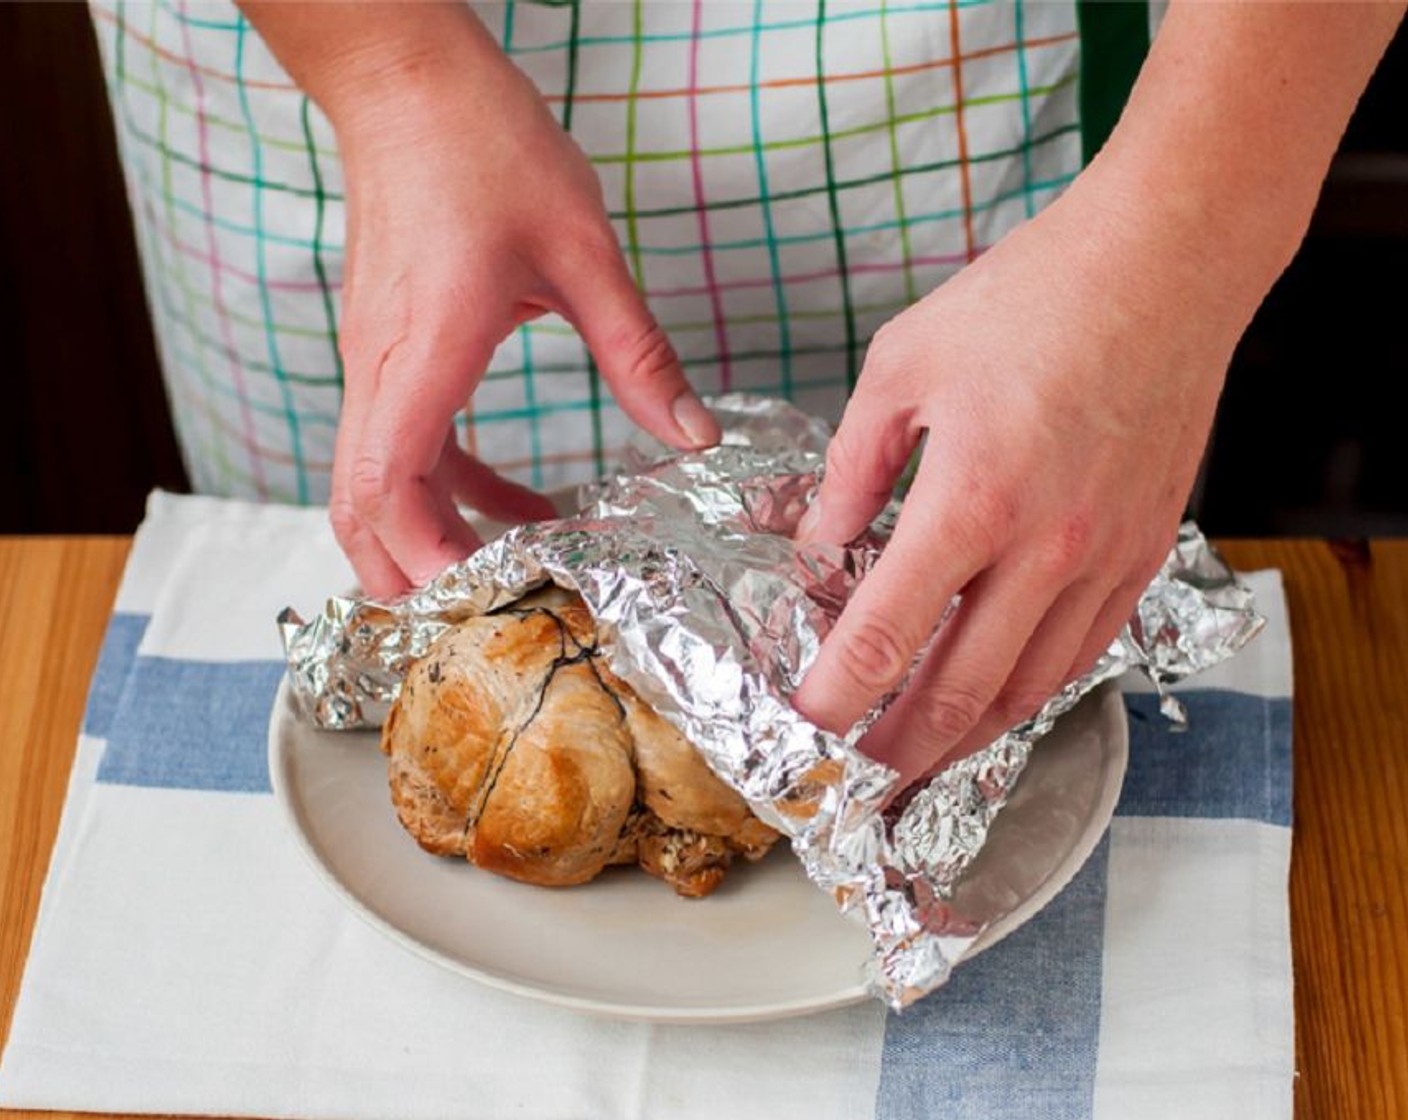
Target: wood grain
<point>1349,865</point>
<point>1349,874</point>
<point>55,598</point>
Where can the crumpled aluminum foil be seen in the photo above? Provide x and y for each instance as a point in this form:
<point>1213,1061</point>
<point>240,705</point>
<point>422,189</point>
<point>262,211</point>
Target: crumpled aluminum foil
<point>712,615</point>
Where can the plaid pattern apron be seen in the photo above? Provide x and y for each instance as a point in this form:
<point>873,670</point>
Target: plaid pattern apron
<point>783,177</point>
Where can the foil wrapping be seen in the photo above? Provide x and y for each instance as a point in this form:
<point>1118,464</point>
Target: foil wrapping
<point>708,610</point>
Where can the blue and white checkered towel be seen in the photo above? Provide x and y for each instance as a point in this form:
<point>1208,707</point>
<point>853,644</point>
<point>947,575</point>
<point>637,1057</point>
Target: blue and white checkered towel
<point>186,960</point>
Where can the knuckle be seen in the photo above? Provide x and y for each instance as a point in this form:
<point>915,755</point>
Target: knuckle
<point>649,356</point>
<point>368,487</point>
<point>367,353</point>
<point>874,656</point>
<point>843,456</point>
<point>992,500</point>
<point>885,351</point>
<point>950,714</point>
<point>986,522</point>
<point>1070,544</point>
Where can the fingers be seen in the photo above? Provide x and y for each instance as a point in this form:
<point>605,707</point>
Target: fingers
<point>635,357</point>
<point>1084,618</point>
<point>936,550</point>
<point>484,489</point>
<point>1106,626</point>
<point>377,573</point>
<point>416,525</point>
<point>871,448</point>
<point>1028,609</point>
<point>1040,672</point>
<point>390,509</point>
<point>965,670</point>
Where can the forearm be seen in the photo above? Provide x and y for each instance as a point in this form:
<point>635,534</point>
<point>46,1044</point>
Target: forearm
<point>351,57</point>
<point>1231,127</point>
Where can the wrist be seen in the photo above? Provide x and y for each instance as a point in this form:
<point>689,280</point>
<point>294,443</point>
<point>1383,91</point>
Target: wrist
<point>1220,230</point>
<point>1221,152</point>
<point>1147,256</point>
<point>372,66</point>
<point>1165,241</point>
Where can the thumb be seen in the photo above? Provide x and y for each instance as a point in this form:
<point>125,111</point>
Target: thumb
<point>866,456</point>
<point>634,354</point>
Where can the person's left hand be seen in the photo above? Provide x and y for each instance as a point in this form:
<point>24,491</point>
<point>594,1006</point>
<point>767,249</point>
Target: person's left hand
<point>1067,381</point>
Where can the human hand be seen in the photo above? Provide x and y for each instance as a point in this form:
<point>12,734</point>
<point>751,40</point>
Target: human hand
<point>1067,381</point>
<point>470,211</point>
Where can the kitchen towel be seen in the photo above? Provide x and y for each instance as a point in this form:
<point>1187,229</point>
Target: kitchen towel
<point>186,959</point>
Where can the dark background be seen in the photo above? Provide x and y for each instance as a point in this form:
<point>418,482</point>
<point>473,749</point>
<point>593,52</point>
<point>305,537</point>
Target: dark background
<point>1310,439</point>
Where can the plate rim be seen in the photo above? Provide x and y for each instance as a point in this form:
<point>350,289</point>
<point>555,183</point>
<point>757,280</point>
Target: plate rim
<point>1107,694</point>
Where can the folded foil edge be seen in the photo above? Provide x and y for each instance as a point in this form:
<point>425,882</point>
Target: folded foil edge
<point>709,611</point>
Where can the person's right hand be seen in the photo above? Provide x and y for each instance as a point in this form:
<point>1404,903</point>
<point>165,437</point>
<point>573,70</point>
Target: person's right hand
<point>470,211</point>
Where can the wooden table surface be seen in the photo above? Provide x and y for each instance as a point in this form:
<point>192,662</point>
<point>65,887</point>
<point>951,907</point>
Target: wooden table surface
<point>1349,871</point>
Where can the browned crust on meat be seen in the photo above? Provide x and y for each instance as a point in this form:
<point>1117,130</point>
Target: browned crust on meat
<point>514,746</point>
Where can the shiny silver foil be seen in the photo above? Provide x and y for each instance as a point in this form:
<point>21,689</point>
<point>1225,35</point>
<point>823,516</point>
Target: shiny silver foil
<point>712,615</point>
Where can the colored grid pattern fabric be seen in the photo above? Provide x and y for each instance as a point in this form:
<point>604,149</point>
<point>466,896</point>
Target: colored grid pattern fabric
<point>784,176</point>
<point>186,960</point>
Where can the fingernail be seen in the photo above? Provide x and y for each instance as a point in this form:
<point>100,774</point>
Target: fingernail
<point>696,421</point>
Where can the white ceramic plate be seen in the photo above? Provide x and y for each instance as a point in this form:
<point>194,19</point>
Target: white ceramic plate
<point>767,944</point>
